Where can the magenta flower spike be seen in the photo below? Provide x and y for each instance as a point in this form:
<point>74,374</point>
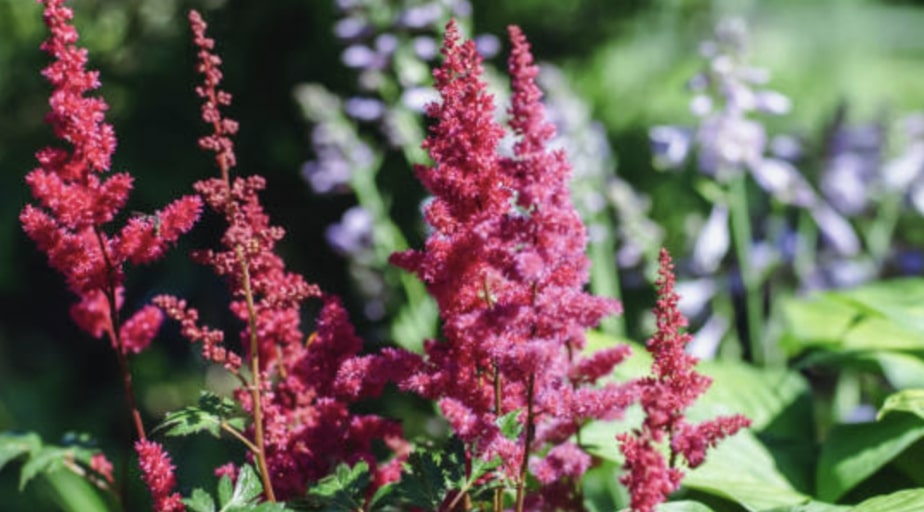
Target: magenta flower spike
<point>77,199</point>
<point>506,264</point>
<point>665,395</point>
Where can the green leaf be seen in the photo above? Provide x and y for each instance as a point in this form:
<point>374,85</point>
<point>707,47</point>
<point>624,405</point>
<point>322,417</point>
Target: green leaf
<point>208,416</point>
<point>247,489</point>
<point>853,452</point>
<point>431,473</point>
<point>819,320</point>
<point>225,490</point>
<point>682,506</point>
<point>73,493</point>
<point>342,491</point>
<point>510,425</point>
<point>909,400</point>
<point>743,470</point>
<point>14,445</point>
<point>45,460</point>
<point>909,500</point>
<point>200,501</point>
<point>812,506</point>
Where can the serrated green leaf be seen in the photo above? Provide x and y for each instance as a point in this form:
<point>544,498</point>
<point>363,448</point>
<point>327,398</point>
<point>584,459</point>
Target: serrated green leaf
<point>207,416</point>
<point>430,473</point>
<point>909,500</point>
<point>14,445</point>
<point>909,400</point>
<point>247,489</point>
<point>225,489</point>
<point>743,470</point>
<point>45,460</point>
<point>342,491</point>
<point>190,420</point>
<point>510,425</point>
<point>383,495</point>
<point>200,501</point>
<point>852,453</point>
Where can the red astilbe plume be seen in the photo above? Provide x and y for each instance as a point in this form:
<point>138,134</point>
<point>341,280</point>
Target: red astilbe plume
<point>665,395</point>
<point>157,473</point>
<point>299,392</point>
<point>77,198</point>
<point>507,267</point>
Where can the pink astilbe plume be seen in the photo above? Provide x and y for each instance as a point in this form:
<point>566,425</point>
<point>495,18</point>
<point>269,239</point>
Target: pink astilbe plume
<point>506,265</point>
<point>665,395</point>
<point>300,391</point>
<point>77,198</point>
<point>157,473</point>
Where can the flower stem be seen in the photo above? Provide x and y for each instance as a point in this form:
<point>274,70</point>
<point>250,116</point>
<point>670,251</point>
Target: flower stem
<point>524,467</point>
<point>499,492</point>
<point>741,229</point>
<point>256,384</point>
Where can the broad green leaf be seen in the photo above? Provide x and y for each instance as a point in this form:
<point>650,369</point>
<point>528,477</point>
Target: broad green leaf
<point>200,501</point>
<point>908,400</point>
<point>741,469</point>
<point>853,452</point>
<point>818,320</point>
<point>14,445</point>
<point>902,370</point>
<point>812,506</point>
<point>73,493</point>
<point>909,500</point>
<point>682,506</point>
<point>46,460</point>
<point>342,491</point>
<point>899,300</point>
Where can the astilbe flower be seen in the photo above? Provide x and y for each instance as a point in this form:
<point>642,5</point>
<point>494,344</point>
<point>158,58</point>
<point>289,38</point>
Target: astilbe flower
<point>506,265</point>
<point>301,390</point>
<point>157,473</point>
<point>665,395</point>
<point>77,198</point>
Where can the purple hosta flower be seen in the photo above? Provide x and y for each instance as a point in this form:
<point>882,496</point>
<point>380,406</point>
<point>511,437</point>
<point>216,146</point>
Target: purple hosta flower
<point>784,182</point>
<point>906,171</point>
<point>338,148</point>
<point>670,146</point>
<point>852,166</point>
<point>353,234</point>
<point>364,109</point>
<point>713,242</point>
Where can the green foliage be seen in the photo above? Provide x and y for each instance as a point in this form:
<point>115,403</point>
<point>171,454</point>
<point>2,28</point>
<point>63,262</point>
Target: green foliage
<point>41,459</point>
<point>213,412</point>
<point>342,491</point>
<point>243,496</point>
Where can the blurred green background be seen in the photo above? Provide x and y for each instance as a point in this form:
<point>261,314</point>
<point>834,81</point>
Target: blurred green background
<point>629,59</point>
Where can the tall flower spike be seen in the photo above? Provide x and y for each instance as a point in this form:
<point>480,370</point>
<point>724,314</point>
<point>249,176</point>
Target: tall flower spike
<point>665,395</point>
<point>300,391</point>
<point>506,265</point>
<point>76,199</point>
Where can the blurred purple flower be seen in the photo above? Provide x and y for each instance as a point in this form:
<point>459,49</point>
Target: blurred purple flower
<point>425,48</point>
<point>488,45</point>
<point>836,230</point>
<point>353,234</point>
<point>670,145</point>
<point>782,181</point>
<point>421,16</point>
<point>713,242</point>
<point>364,109</point>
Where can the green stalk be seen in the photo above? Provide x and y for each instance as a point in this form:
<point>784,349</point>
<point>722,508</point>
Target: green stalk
<point>741,231</point>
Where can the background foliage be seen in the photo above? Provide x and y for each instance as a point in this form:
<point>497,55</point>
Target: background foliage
<point>630,60</point>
